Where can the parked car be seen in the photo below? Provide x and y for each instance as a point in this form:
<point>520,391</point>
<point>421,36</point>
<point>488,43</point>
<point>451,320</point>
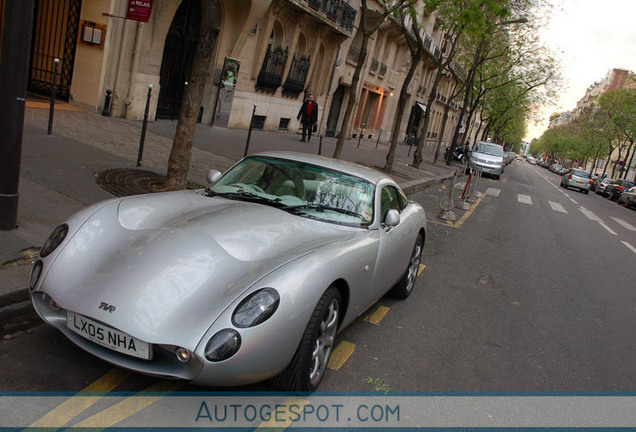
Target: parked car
<point>249,279</point>
<point>613,190</point>
<point>556,168</point>
<point>487,158</point>
<point>601,185</point>
<point>628,198</point>
<point>577,179</point>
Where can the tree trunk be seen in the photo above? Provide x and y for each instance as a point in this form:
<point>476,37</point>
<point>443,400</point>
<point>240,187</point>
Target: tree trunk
<point>390,157</point>
<point>179,161</point>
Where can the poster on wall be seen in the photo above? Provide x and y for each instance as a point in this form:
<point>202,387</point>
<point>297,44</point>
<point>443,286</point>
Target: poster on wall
<point>227,86</point>
<point>139,10</point>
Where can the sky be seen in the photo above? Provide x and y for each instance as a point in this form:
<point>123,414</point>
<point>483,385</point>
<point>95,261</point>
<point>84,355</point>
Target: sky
<point>590,37</point>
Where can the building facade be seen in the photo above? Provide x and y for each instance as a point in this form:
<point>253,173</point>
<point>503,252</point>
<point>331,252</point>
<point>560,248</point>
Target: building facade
<point>269,55</point>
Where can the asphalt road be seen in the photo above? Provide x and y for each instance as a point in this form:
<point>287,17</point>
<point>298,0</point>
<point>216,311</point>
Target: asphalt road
<point>531,290</point>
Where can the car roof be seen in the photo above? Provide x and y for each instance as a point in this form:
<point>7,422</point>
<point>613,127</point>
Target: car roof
<point>354,169</point>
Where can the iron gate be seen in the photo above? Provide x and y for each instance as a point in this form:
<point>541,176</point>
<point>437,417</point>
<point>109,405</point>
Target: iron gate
<point>178,56</point>
<point>55,27</point>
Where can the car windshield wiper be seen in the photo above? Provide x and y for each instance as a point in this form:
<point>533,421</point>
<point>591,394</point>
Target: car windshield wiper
<point>320,208</point>
<point>247,196</point>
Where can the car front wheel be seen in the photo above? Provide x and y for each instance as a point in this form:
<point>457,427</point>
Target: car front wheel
<point>308,366</point>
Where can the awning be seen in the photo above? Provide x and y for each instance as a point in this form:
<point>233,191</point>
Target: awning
<point>421,105</point>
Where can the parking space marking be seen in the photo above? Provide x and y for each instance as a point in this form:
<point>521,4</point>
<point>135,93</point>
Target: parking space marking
<point>129,406</point>
<point>421,269</point>
<point>72,407</point>
<point>493,191</point>
<point>284,412</point>
<point>624,224</point>
<point>557,207</point>
<point>377,316</point>
<point>340,355</point>
<point>524,199</point>
<point>629,246</point>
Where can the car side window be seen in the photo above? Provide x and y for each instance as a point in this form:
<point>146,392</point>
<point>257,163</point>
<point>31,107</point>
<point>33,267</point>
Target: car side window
<point>389,200</point>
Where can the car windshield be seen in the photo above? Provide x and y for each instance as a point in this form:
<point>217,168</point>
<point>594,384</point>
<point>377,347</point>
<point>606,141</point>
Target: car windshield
<point>299,188</point>
<point>489,149</point>
<point>581,173</point>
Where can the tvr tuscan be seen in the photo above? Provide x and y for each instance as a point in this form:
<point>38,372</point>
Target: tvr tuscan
<point>246,280</point>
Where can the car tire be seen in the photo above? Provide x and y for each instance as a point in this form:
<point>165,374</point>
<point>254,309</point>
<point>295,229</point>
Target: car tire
<point>308,366</point>
<point>404,287</point>
<point>586,192</point>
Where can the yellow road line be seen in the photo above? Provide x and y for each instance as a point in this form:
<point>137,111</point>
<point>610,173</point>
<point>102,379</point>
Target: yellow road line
<point>340,355</point>
<point>421,269</point>
<point>129,406</point>
<point>285,414</point>
<point>377,316</point>
<point>75,405</point>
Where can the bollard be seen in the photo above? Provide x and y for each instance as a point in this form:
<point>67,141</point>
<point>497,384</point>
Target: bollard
<point>106,110</point>
<point>53,94</point>
<point>360,135</point>
<point>320,146</point>
<point>143,127</point>
<point>446,204</point>
<point>249,132</point>
<point>378,141</point>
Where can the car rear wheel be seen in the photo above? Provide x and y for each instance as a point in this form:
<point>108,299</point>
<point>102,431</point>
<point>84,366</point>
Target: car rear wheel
<point>308,366</point>
<point>405,286</point>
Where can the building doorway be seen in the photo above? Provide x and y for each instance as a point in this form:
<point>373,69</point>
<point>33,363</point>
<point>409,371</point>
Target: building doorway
<point>55,29</point>
<point>178,57</point>
<point>334,112</point>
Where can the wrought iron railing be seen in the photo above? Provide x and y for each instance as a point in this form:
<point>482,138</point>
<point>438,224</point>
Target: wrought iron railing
<point>383,69</point>
<point>375,64</point>
<point>295,82</point>
<point>347,17</point>
<point>337,11</point>
<point>271,75</point>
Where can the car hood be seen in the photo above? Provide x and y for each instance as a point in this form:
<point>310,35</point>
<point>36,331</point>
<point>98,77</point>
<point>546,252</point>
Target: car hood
<point>172,263</point>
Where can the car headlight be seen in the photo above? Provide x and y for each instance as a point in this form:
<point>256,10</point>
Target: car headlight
<point>256,308</point>
<point>223,345</point>
<point>54,240</point>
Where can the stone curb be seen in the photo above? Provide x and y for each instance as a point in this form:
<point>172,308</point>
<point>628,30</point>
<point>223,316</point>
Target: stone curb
<point>415,186</point>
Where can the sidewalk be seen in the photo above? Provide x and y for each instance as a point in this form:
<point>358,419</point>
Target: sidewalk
<point>58,172</point>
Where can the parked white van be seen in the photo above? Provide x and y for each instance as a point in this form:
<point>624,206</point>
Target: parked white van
<point>487,157</point>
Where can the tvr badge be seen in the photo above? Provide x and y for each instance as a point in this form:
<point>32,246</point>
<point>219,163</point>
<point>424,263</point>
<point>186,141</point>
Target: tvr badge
<point>106,307</point>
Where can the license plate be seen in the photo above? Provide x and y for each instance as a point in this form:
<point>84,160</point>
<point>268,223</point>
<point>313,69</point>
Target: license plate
<point>107,336</point>
<point>578,182</point>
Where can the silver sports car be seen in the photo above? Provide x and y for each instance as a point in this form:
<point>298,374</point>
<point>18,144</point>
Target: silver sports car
<point>249,279</point>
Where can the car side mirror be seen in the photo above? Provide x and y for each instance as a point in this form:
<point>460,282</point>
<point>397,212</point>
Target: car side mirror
<point>392,218</point>
<point>213,176</point>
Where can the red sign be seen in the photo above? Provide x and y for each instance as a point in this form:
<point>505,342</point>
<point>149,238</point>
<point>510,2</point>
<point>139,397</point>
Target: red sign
<point>139,10</point>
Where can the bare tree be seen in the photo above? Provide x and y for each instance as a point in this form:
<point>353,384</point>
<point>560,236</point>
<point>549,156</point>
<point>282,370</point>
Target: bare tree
<point>179,161</point>
<point>367,30</point>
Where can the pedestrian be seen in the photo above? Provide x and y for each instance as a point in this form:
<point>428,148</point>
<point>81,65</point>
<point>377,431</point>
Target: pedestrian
<point>308,116</point>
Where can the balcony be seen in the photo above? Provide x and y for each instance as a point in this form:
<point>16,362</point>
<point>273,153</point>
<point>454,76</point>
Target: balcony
<point>375,64</point>
<point>295,82</point>
<point>271,75</point>
<point>354,54</point>
<point>337,12</point>
<point>383,69</point>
